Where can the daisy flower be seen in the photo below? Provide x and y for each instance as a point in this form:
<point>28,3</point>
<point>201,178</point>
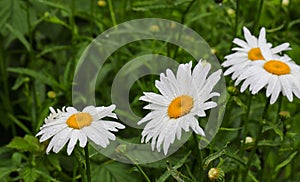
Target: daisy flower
<point>182,98</point>
<point>276,74</point>
<point>71,124</point>
<point>248,52</point>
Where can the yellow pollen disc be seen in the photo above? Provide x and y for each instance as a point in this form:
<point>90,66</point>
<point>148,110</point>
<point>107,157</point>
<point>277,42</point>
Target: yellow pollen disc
<point>180,106</point>
<point>255,54</point>
<point>79,120</point>
<point>277,67</point>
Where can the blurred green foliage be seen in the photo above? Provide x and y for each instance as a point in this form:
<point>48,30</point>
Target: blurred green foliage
<point>42,40</point>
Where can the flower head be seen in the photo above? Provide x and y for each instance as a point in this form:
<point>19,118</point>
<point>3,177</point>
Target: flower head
<point>275,73</point>
<point>181,99</point>
<point>248,52</point>
<point>71,125</point>
<point>216,174</point>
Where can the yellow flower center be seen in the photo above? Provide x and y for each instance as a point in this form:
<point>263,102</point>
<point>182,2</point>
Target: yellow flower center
<point>180,106</point>
<point>255,54</point>
<point>277,67</point>
<point>79,120</point>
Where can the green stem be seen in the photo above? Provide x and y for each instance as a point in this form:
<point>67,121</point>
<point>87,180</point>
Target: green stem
<point>279,108</point>
<point>87,163</point>
<point>246,119</point>
<point>199,158</point>
<point>182,22</point>
<point>138,166</point>
<point>256,23</point>
<point>143,173</point>
<point>236,23</point>
<point>112,13</point>
<point>264,116</point>
<point>92,4</point>
<point>81,170</point>
<point>244,132</point>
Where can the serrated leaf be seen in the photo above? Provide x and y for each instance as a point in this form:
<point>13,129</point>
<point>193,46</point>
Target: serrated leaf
<point>5,171</point>
<point>285,162</point>
<point>29,174</point>
<point>212,157</point>
<point>236,158</point>
<point>16,158</point>
<point>26,144</point>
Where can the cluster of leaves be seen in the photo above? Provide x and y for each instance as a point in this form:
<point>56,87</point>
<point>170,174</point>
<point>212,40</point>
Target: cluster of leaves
<point>42,40</point>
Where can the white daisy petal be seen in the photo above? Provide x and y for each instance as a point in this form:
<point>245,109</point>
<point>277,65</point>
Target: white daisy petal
<point>71,125</point>
<point>240,42</point>
<point>281,47</point>
<point>251,40</point>
<point>248,61</point>
<point>168,116</point>
<point>73,140</point>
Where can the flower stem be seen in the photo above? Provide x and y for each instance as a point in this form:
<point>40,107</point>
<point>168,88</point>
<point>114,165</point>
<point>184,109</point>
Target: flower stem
<point>264,116</point>
<point>246,119</point>
<point>256,23</point>
<point>236,23</point>
<point>199,157</point>
<point>138,166</point>
<point>112,13</point>
<point>87,163</point>
<point>279,108</point>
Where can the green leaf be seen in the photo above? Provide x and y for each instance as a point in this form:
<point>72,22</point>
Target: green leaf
<point>28,143</point>
<point>54,161</point>
<point>112,171</point>
<point>230,129</point>
<point>236,158</point>
<point>29,174</point>
<point>19,123</point>
<point>168,173</point>
<point>239,103</point>
<point>270,143</point>
<point>46,79</point>
<point>285,162</point>
<point>276,129</point>
<point>5,171</point>
<point>4,11</point>
<point>212,157</point>
<point>56,20</point>
<point>17,158</point>
<point>19,35</point>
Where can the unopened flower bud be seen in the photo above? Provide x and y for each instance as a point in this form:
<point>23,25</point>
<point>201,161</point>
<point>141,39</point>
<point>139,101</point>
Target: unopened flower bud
<point>284,115</point>
<point>213,50</point>
<point>216,174</point>
<point>51,94</point>
<point>285,2</point>
<point>230,12</point>
<point>101,3</point>
<point>121,148</point>
<point>232,90</point>
<point>154,28</point>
